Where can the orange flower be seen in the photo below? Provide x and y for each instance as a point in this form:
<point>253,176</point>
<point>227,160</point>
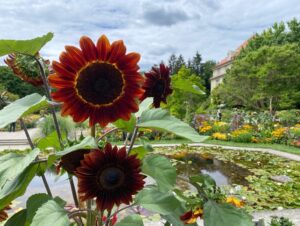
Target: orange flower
<point>100,82</point>
<point>190,217</point>
<point>235,201</point>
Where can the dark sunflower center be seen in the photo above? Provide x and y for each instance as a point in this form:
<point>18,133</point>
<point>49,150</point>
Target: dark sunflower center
<point>111,178</point>
<point>99,83</point>
<point>159,88</point>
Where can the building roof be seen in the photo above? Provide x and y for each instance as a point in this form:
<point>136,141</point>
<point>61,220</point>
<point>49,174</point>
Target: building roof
<point>231,55</point>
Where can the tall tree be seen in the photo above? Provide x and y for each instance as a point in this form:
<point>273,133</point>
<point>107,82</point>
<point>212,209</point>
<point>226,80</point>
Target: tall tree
<point>182,104</point>
<point>206,73</point>
<point>178,65</point>
<point>267,78</point>
<point>172,63</point>
<point>197,64</point>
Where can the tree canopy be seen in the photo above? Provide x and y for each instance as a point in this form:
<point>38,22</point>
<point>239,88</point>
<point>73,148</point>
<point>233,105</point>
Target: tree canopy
<point>266,78</point>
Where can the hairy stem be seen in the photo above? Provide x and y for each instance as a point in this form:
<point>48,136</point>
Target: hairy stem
<point>134,135</point>
<point>47,89</point>
<point>32,147</point>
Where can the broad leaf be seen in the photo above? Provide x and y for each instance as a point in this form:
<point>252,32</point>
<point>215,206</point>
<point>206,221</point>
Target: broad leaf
<point>17,186</point>
<point>154,200</point>
<point>126,125</point>
<point>204,180</point>
<point>21,108</point>
<point>132,220</point>
<point>49,214</point>
<point>87,143</point>
<point>18,219</point>
<point>161,120</point>
<point>33,204</point>
<point>29,47</point>
<point>144,106</point>
<point>187,86</point>
<point>161,170</point>
<point>50,141</point>
<point>225,214</point>
<point>139,151</point>
<point>12,164</point>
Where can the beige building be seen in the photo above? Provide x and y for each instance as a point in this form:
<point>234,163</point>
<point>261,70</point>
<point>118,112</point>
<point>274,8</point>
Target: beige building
<point>221,67</point>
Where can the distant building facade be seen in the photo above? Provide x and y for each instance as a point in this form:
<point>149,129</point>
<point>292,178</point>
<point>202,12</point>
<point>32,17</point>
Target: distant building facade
<point>221,67</point>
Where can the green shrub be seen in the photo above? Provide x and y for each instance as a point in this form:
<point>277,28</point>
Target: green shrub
<point>47,126</point>
<point>289,117</point>
<point>282,221</point>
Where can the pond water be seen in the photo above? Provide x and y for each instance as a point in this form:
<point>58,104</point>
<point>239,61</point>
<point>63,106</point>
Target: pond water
<point>225,173</point>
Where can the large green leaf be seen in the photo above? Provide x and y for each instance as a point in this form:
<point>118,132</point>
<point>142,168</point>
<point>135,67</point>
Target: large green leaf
<point>126,125</point>
<point>33,204</point>
<point>161,120</point>
<point>17,186</point>
<point>144,106</point>
<point>50,141</point>
<point>21,108</point>
<point>187,86</point>
<point>132,220</point>
<point>161,170</point>
<point>49,214</point>
<point>18,219</point>
<point>12,164</point>
<point>29,47</point>
<point>154,200</point>
<point>87,143</point>
<point>225,214</point>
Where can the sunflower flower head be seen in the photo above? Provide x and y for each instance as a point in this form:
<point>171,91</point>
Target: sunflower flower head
<point>190,217</point>
<point>100,82</point>
<point>26,68</point>
<point>3,213</point>
<point>109,175</point>
<point>157,84</point>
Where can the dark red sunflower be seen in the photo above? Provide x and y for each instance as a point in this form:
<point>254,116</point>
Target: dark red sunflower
<point>100,82</point>
<point>157,85</point>
<point>26,68</point>
<point>3,214</point>
<point>110,175</point>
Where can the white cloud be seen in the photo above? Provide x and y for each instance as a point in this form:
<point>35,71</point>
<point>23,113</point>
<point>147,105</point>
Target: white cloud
<point>153,28</point>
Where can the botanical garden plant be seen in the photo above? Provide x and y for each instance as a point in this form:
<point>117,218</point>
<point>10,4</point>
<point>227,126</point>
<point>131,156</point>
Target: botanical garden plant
<point>101,83</point>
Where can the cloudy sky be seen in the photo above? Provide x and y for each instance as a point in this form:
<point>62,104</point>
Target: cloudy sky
<point>154,28</point>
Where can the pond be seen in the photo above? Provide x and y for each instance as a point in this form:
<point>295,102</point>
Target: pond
<point>225,173</point>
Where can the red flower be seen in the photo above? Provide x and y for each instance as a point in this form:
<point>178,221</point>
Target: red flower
<point>157,85</point>
<point>113,219</point>
<point>110,175</point>
<point>100,82</point>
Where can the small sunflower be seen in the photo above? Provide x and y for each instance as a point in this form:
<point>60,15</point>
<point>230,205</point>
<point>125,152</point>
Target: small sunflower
<point>235,201</point>
<point>3,214</point>
<point>190,217</point>
<point>100,82</point>
<point>157,85</point>
<point>110,175</point>
<point>26,68</point>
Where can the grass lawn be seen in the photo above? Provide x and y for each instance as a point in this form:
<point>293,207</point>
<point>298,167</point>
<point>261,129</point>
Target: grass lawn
<point>279,147</point>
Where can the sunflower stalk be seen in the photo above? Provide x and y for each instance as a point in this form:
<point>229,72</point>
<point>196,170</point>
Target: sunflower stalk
<point>47,89</point>
<point>134,135</point>
<point>32,147</point>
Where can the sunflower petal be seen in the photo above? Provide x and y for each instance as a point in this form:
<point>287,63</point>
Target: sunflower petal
<point>89,49</point>
<point>103,47</point>
<point>117,50</point>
